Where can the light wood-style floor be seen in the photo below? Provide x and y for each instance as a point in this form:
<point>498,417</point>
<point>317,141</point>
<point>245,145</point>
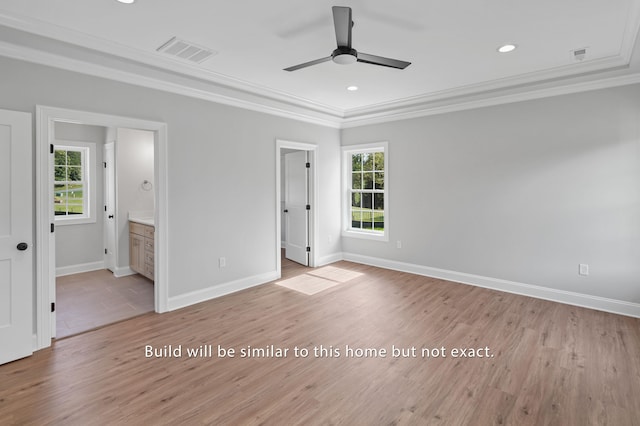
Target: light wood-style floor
<point>93,299</point>
<point>553,364</point>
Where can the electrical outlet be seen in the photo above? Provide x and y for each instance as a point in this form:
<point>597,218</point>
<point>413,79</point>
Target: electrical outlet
<point>583,269</point>
<point>222,262</point>
<point>399,244</point>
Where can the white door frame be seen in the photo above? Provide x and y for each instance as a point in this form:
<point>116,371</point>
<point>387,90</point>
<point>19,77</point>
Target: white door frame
<point>313,197</point>
<point>45,239</point>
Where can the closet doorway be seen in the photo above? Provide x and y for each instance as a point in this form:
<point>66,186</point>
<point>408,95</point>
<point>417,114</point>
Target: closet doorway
<point>296,188</point>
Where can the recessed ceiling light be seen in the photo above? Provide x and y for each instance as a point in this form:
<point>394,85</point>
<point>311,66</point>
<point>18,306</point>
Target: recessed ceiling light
<point>126,1</point>
<point>506,48</point>
<point>352,88</point>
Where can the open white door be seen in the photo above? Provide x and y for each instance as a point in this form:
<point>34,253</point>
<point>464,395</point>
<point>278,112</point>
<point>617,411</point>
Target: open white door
<point>16,236</point>
<point>296,200</point>
<point>110,206</point>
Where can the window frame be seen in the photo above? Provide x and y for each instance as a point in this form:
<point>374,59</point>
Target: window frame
<point>89,166</point>
<point>347,153</point>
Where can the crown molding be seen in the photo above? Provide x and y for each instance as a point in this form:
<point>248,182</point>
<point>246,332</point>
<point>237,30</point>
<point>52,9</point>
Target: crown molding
<point>93,56</point>
<point>486,88</point>
<point>631,32</point>
<point>444,102</point>
<point>564,79</point>
<point>73,38</point>
<point>240,100</point>
<point>446,105</point>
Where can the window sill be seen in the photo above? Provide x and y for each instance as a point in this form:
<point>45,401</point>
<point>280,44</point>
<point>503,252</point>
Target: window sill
<point>74,221</point>
<point>350,233</point>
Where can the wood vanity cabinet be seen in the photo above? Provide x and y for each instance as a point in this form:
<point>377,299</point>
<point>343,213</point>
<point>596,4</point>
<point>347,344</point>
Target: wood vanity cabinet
<point>141,249</point>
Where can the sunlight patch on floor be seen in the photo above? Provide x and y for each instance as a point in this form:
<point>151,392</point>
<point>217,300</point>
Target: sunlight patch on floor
<point>317,280</point>
<point>335,274</point>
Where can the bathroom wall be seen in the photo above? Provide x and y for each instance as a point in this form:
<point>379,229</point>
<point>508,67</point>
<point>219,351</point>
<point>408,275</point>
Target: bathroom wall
<point>134,165</point>
<point>79,246</point>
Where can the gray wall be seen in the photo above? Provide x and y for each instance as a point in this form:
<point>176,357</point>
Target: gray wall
<point>134,164</point>
<point>82,243</point>
<point>221,169</point>
<point>523,192</point>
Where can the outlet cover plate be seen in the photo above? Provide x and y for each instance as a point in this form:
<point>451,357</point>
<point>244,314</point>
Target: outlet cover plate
<point>583,269</point>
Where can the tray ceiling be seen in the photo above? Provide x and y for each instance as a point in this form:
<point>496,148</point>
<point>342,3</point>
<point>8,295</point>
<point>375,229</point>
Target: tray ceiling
<point>452,45</point>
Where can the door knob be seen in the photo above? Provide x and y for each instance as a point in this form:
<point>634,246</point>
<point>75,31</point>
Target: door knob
<point>22,246</point>
<point>286,211</point>
<point>110,216</point>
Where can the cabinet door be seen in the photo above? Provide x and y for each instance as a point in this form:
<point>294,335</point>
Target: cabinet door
<point>136,252</point>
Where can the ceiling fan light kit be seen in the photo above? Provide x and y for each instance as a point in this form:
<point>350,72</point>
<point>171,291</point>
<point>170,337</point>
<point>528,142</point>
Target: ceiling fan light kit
<point>345,54</point>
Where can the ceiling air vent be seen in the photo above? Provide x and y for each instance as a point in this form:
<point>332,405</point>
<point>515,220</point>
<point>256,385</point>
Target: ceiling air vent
<point>186,50</point>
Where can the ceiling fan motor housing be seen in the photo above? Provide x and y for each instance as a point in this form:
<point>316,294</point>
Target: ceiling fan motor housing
<point>344,55</point>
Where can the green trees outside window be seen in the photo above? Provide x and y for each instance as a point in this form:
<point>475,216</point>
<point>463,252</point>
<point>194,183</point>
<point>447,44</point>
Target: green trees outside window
<point>69,182</point>
<point>367,191</point>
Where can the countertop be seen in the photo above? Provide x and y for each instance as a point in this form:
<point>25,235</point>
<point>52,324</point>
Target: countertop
<point>143,220</point>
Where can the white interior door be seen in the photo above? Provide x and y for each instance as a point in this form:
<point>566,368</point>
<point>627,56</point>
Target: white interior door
<point>296,199</point>
<point>16,236</point>
<point>110,207</point>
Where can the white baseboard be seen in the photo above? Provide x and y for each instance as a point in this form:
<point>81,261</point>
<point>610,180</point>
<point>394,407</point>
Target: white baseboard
<point>93,266</point>
<point>198,296</point>
<point>570,298</point>
<point>76,269</point>
<point>331,258</point>
<point>120,272</point>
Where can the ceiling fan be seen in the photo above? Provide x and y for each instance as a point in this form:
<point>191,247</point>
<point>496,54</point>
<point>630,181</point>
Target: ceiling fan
<point>345,54</point>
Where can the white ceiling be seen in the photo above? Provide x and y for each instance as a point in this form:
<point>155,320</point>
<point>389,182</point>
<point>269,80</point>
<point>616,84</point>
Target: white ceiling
<point>451,44</point>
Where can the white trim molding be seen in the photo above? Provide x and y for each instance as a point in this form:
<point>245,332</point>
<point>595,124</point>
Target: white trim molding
<point>45,251</point>
<point>120,272</point>
<point>441,104</point>
<point>330,258</point>
<point>232,97</point>
<point>89,166</point>
<point>314,194</point>
<point>61,271</point>
<point>567,297</point>
<point>347,151</point>
<point>67,50</point>
<point>219,290</point>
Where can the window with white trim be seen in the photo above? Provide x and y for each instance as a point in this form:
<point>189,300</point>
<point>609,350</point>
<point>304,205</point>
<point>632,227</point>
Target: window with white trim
<point>73,182</point>
<point>365,176</point>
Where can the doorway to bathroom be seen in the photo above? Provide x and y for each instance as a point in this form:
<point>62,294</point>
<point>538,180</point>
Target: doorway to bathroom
<point>102,178</point>
<point>87,199</point>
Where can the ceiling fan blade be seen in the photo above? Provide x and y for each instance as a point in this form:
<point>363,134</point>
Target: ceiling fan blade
<point>379,60</point>
<point>342,23</point>
<point>308,64</point>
